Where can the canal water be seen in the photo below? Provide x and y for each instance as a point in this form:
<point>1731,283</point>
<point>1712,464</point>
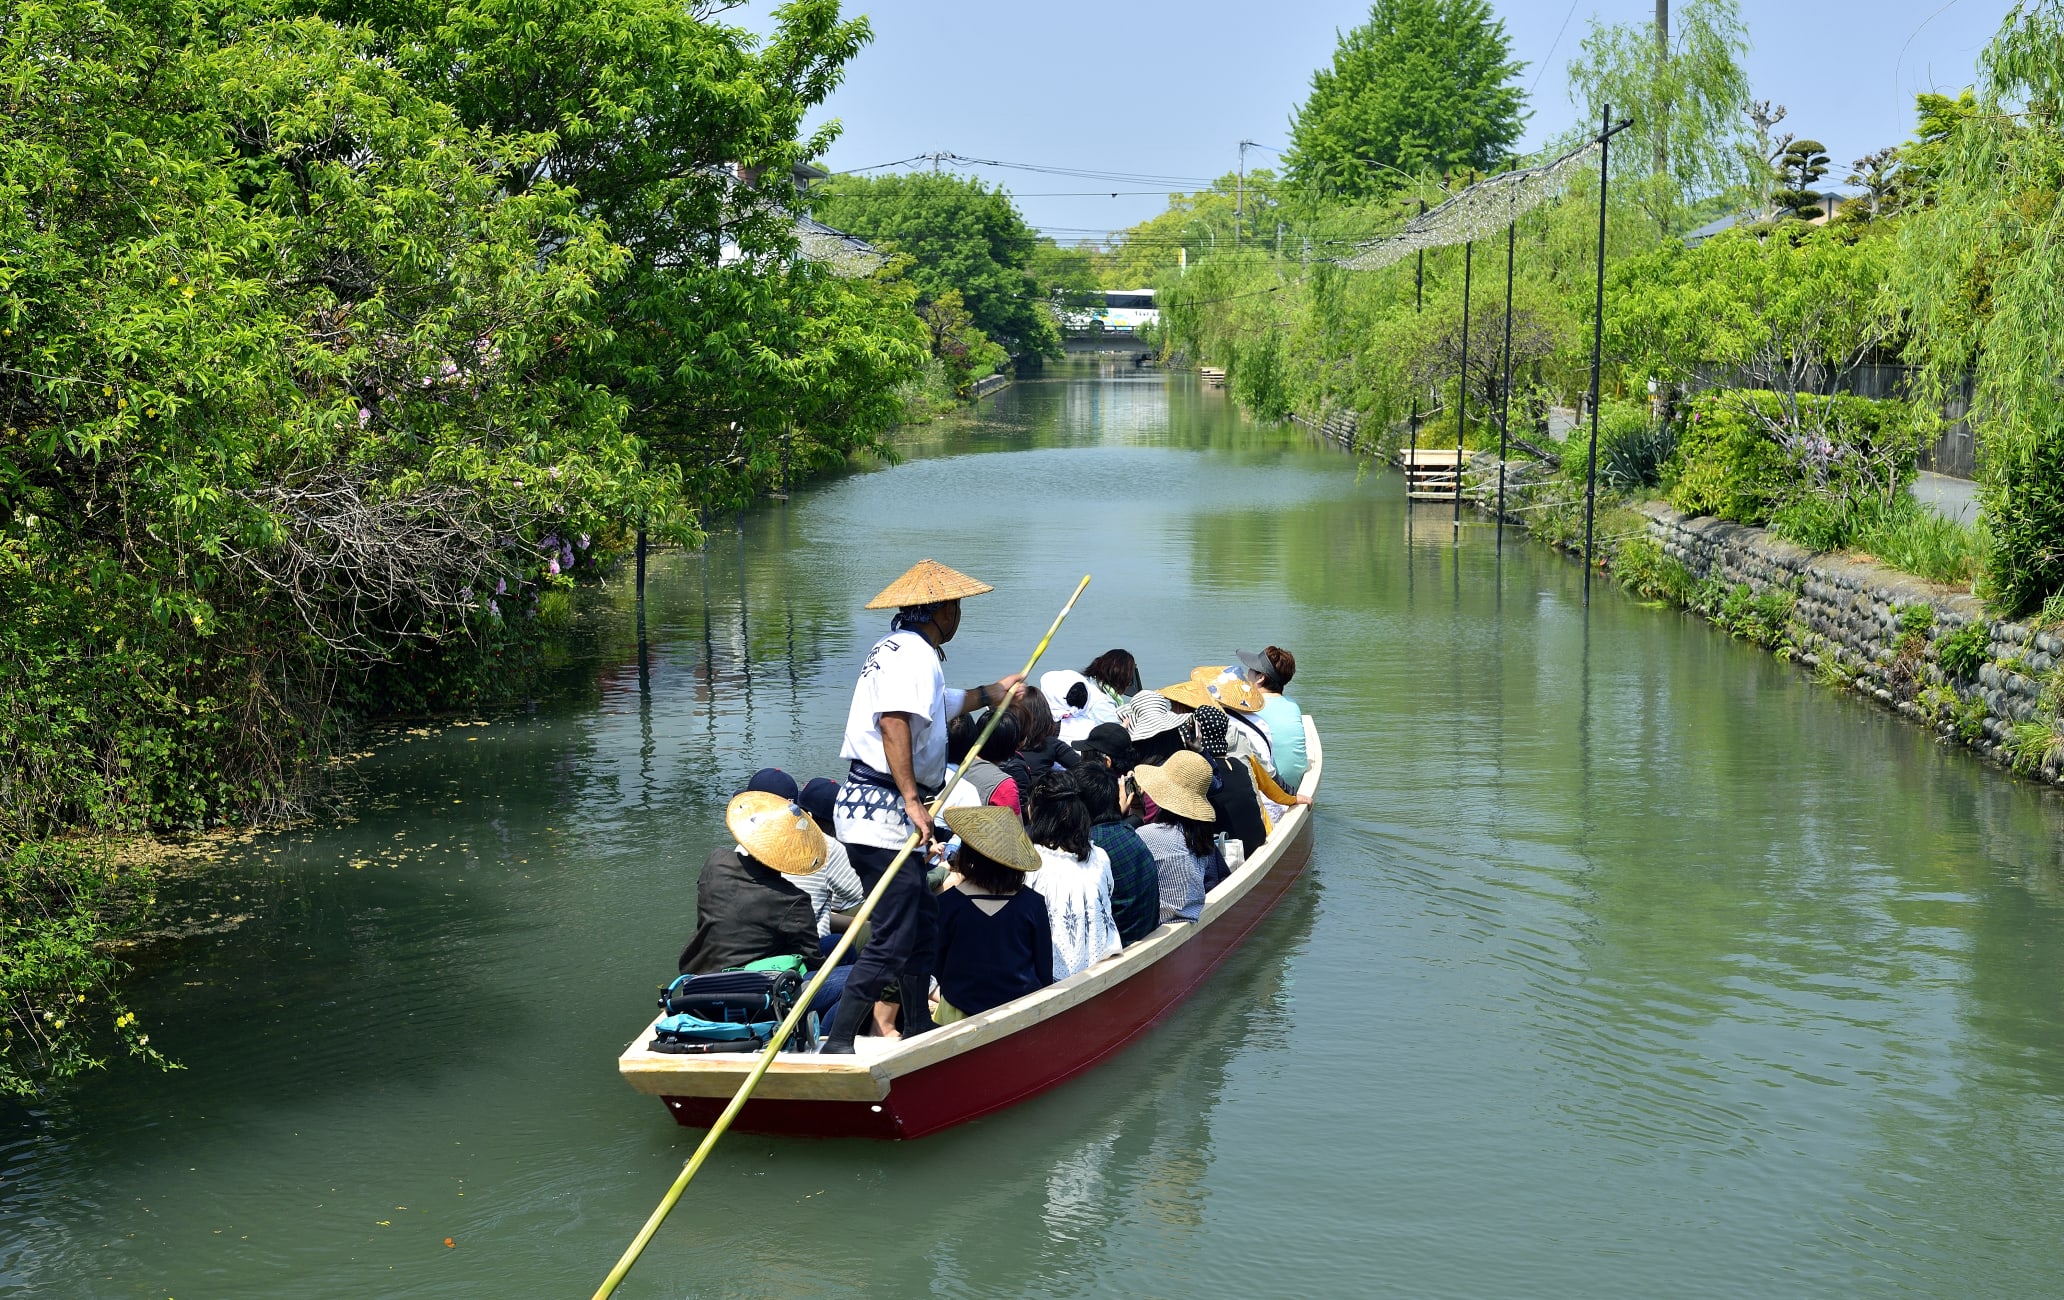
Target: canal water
<point>1630,961</point>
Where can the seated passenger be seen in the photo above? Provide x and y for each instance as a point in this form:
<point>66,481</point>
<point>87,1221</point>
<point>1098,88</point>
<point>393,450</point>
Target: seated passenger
<point>995,938</point>
<point>1076,703</point>
<point>1271,671</point>
<point>1155,727</point>
<point>1180,834</point>
<point>1112,745</point>
<point>1040,747</point>
<point>1135,882</point>
<point>747,906</point>
<point>1248,737</point>
<point>990,781</point>
<point>836,890</point>
<point>1074,876</point>
<point>1116,672</point>
<point>1232,784</point>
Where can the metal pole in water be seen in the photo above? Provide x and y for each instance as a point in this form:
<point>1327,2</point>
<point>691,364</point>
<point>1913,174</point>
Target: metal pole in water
<point>1605,134</point>
<point>1462,379</point>
<point>1505,411</point>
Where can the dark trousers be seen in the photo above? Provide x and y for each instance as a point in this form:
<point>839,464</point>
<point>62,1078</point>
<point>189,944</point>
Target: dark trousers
<point>903,944</point>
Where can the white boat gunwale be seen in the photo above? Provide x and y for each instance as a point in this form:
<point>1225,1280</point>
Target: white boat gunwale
<point>867,1075</point>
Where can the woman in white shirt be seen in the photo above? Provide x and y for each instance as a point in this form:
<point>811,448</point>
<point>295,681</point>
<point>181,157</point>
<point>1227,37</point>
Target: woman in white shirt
<point>1074,876</point>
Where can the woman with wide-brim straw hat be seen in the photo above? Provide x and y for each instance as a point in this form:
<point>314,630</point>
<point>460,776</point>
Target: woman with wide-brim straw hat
<point>1251,736</point>
<point>747,905</point>
<point>1181,832</point>
<point>895,743</point>
<point>995,934</point>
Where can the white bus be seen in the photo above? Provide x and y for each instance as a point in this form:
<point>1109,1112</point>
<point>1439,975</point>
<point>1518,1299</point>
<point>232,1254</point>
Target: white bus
<point>1124,311</point>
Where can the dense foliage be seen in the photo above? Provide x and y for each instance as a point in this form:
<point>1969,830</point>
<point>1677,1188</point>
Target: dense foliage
<point>1422,86</point>
<point>1686,152</point>
<point>961,237</point>
<point>329,354</point>
<point>1981,279</point>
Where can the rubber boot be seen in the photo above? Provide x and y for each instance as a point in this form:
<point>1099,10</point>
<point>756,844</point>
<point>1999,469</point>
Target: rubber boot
<point>847,1021</point>
<point>917,1004</point>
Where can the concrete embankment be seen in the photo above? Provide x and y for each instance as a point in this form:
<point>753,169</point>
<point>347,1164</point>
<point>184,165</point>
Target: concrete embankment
<point>1858,624</point>
<point>1863,625</point>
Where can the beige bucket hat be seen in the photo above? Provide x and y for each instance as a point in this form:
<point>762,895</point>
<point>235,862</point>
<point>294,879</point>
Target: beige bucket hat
<point>1181,785</point>
<point>996,834</point>
<point>927,583</point>
<point>776,833</point>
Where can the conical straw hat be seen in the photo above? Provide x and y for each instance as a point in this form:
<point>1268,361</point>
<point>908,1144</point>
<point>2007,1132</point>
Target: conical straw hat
<point>928,582</point>
<point>1227,689</point>
<point>1191,695</point>
<point>996,834</point>
<point>776,833</point>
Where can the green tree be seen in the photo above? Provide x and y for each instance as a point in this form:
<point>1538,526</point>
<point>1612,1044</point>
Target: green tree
<point>680,134</point>
<point>960,235</point>
<point>288,380</point>
<point>1799,168</point>
<point>1982,281</point>
<point>1686,147</point>
<point>1423,86</point>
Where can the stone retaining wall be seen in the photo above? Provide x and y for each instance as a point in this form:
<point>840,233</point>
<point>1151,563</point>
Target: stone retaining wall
<point>1849,621</point>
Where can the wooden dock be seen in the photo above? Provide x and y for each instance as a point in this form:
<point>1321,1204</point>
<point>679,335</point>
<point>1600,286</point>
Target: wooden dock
<point>1213,376</point>
<point>1432,474</point>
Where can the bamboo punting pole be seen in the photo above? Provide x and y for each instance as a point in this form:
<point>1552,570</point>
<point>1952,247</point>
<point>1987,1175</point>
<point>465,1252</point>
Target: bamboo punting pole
<point>809,993</point>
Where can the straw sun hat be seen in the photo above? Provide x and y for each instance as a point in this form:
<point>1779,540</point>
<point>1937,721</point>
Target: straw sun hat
<point>1181,785</point>
<point>1225,689</point>
<point>776,832</point>
<point>927,583</point>
<point>996,834</point>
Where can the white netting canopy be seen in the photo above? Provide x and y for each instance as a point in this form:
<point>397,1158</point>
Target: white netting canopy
<point>848,256</point>
<point>1483,209</point>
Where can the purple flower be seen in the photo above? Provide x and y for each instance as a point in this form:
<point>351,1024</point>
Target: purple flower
<point>566,557</point>
<point>501,586</point>
<point>494,608</point>
<point>555,472</point>
<point>551,542</point>
<point>555,564</point>
<point>465,595</point>
<point>365,417</point>
<point>584,541</point>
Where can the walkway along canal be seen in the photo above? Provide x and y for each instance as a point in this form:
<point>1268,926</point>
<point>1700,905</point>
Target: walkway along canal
<point>1629,961</point>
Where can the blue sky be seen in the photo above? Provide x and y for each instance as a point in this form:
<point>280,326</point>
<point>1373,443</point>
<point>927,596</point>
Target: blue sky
<point>1169,88</point>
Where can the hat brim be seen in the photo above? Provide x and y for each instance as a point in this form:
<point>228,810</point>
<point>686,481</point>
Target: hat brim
<point>1165,793</point>
<point>1256,663</point>
<point>791,845</point>
<point>992,837</point>
<point>928,582</point>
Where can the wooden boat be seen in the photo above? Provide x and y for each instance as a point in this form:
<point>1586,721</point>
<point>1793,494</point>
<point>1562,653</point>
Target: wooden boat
<point>909,1088</point>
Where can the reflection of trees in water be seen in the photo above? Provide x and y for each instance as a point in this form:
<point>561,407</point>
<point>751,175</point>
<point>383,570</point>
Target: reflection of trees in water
<point>1073,1166</point>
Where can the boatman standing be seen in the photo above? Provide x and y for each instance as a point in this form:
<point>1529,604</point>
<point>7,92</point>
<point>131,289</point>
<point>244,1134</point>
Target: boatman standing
<point>896,746</point>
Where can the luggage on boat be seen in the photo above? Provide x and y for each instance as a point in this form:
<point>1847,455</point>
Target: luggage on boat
<point>731,1011</point>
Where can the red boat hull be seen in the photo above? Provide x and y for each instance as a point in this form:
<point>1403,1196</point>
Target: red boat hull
<point>1028,1062</point>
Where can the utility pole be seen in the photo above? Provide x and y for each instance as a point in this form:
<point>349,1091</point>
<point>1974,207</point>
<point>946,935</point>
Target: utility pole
<point>1662,107</point>
<point>1240,199</point>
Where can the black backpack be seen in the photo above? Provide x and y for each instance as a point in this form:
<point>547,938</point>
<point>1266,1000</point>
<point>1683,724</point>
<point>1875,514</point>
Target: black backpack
<point>731,1011</point>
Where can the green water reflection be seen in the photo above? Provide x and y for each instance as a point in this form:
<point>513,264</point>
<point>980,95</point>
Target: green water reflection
<point>1630,962</point>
